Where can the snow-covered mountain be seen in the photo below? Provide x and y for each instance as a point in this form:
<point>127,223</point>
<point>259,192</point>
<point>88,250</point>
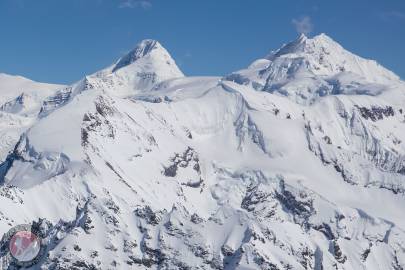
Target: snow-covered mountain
<point>142,68</point>
<point>20,102</point>
<point>306,69</point>
<point>297,162</point>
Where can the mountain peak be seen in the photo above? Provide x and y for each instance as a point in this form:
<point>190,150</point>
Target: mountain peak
<point>302,37</point>
<point>142,49</point>
<point>148,64</point>
<point>323,36</point>
<point>321,55</point>
<point>145,47</point>
<point>323,40</point>
<point>309,68</point>
<point>303,44</point>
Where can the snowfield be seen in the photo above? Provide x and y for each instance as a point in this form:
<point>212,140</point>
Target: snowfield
<point>296,162</point>
<point>20,102</point>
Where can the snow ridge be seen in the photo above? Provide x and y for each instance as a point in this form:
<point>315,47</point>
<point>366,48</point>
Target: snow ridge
<point>141,50</point>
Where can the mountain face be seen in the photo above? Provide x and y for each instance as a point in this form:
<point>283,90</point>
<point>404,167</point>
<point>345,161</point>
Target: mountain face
<point>142,68</point>
<point>297,162</point>
<point>20,102</point>
<point>306,69</point>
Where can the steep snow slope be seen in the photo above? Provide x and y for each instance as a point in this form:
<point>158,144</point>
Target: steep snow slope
<point>210,173</point>
<point>20,102</point>
<point>142,68</point>
<point>306,69</point>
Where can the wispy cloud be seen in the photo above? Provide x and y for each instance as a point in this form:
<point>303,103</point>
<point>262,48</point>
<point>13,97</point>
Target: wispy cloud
<point>145,4</point>
<point>303,25</point>
<point>392,15</point>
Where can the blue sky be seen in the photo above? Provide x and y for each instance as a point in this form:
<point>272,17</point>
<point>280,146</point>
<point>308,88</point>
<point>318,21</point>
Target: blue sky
<point>62,40</point>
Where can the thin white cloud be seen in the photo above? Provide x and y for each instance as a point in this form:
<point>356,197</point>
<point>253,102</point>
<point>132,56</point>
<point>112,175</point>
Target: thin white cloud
<point>392,15</point>
<point>145,4</point>
<point>303,25</point>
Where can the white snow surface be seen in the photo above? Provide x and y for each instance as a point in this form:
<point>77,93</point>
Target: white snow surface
<point>20,102</point>
<point>308,68</point>
<point>288,164</point>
